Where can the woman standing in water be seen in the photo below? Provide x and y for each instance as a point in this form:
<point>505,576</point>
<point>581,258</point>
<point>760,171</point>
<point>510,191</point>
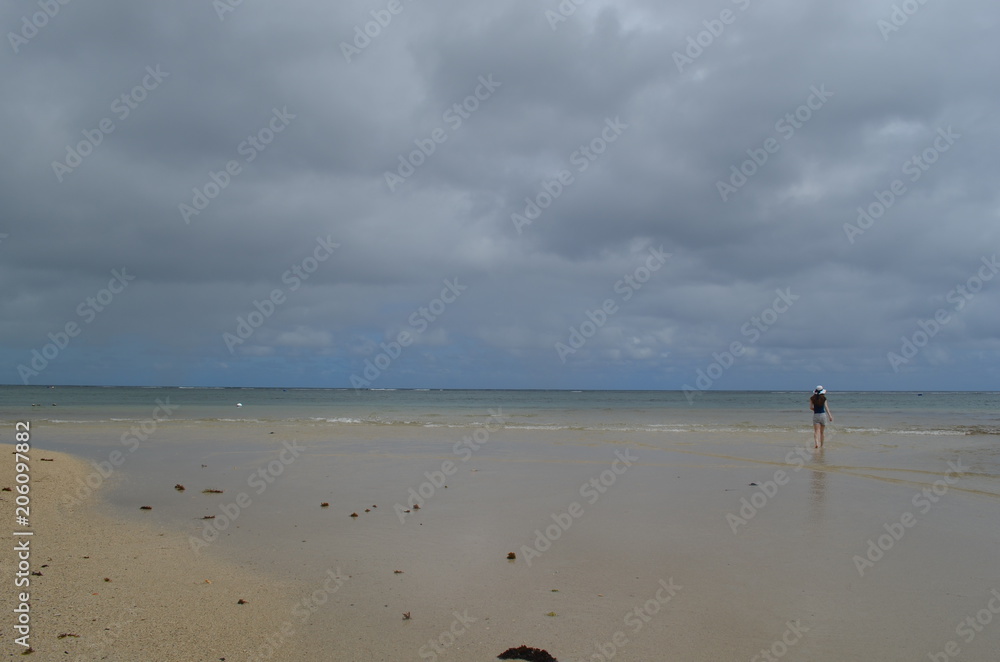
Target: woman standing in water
<point>821,414</point>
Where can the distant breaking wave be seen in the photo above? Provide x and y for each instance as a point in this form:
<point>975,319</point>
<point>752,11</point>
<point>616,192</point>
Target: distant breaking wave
<point>515,424</point>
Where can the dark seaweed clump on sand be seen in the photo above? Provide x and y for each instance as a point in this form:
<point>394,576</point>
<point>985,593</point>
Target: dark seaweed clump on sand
<point>525,653</point>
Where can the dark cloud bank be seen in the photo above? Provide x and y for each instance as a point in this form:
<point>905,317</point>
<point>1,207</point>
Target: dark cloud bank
<point>442,194</point>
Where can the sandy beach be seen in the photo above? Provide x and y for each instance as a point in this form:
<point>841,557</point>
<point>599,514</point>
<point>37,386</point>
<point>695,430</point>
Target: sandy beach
<point>103,588</point>
<point>631,545</point>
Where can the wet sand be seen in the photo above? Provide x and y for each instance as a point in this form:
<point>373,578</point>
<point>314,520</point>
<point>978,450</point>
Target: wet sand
<point>640,545</point>
<point>114,589</point>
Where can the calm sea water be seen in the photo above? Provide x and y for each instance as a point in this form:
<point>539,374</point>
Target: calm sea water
<point>859,412</point>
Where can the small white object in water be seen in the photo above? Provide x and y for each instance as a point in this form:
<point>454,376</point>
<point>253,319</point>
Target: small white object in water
<point>239,404</point>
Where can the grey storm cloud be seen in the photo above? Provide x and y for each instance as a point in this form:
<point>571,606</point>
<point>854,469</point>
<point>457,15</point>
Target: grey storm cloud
<point>534,153</point>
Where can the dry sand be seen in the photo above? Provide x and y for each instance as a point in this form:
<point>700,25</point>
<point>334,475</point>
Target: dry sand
<point>114,590</point>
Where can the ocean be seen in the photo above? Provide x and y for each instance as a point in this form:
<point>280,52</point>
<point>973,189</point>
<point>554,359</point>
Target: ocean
<point>172,429</point>
<point>858,412</point>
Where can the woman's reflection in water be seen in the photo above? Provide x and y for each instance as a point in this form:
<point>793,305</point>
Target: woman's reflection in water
<point>818,492</point>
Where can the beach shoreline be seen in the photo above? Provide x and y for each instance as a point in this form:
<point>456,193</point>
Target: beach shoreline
<point>714,545</point>
<point>108,589</point>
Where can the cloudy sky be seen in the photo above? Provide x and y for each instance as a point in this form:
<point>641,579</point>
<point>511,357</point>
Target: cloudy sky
<point>736,194</point>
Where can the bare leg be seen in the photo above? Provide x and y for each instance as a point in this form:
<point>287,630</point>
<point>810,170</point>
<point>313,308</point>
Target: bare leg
<point>818,435</point>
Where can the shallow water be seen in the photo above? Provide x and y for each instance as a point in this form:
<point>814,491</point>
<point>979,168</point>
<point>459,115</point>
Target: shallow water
<point>595,534</point>
<point>666,516</point>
